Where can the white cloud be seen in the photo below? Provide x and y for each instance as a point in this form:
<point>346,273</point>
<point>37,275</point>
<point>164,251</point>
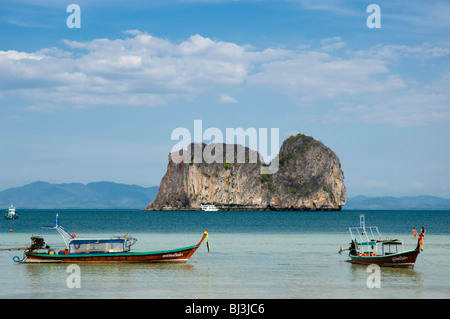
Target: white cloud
<point>337,7</point>
<point>140,70</point>
<point>422,51</point>
<point>315,75</point>
<point>227,99</point>
<point>13,55</point>
<point>411,109</point>
<point>330,44</point>
<point>143,70</point>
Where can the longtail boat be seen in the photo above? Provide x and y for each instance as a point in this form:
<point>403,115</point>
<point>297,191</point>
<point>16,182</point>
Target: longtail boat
<point>368,247</point>
<point>114,249</point>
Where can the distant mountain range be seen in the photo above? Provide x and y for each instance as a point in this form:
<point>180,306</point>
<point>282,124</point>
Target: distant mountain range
<point>422,202</point>
<point>109,195</point>
<point>76,195</point>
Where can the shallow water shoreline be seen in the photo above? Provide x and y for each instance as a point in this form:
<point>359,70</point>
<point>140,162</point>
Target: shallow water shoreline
<point>264,258</point>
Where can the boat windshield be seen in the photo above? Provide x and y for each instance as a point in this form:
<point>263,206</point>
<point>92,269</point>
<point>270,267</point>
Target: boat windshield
<point>86,246</point>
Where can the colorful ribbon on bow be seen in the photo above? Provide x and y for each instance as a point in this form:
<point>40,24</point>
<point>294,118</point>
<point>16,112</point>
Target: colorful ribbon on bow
<point>207,240</point>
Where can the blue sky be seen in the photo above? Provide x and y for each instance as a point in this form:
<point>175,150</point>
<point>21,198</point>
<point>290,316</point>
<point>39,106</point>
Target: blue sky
<point>100,102</point>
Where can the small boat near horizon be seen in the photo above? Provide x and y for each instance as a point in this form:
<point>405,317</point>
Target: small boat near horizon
<point>114,249</point>
<point>368,247</point>
<point>209,208</point>
<point>11,214</point>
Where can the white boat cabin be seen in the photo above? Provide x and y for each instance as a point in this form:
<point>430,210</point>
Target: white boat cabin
<point>100,245</point>
<point>367,241</point>
<point>209,208</point>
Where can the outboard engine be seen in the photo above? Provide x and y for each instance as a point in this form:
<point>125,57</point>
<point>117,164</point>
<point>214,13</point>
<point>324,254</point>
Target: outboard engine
<point>37,242</point>
<point>353,248</point>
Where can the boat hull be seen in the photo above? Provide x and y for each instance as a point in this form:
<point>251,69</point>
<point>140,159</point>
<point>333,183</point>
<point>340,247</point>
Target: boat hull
<point>180,255</point>
<point>11,217</point>
<point>405,259</point>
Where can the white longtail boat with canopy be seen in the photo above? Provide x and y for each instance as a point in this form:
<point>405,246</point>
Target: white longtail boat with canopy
<point>368,247</point>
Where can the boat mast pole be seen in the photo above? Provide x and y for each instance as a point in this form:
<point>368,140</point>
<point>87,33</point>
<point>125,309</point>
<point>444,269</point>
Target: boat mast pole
<point>64,234</point>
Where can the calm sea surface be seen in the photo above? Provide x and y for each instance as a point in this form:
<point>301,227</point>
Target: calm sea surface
<point>259,255</point>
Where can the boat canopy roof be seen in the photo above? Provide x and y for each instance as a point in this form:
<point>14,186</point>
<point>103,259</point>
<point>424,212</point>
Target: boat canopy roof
<point>367,241</point>
<point>101,245</point>
<point>72,242</point>
<point>98,240</point>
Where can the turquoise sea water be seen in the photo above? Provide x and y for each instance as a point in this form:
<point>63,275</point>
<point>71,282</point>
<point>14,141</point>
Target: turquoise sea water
<point>274,255</point>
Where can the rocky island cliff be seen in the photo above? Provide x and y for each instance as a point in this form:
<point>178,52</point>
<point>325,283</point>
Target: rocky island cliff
<point>309,177</point>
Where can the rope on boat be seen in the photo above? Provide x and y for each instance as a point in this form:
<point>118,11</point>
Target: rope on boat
<point>439,265</point>
<point>17,258</point>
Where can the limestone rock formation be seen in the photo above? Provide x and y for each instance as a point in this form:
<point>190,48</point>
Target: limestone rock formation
<point>309,178</point>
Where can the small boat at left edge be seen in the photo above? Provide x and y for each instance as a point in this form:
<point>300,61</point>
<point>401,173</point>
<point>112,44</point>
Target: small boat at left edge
<point>11,214</point>
<point>114,249</point>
